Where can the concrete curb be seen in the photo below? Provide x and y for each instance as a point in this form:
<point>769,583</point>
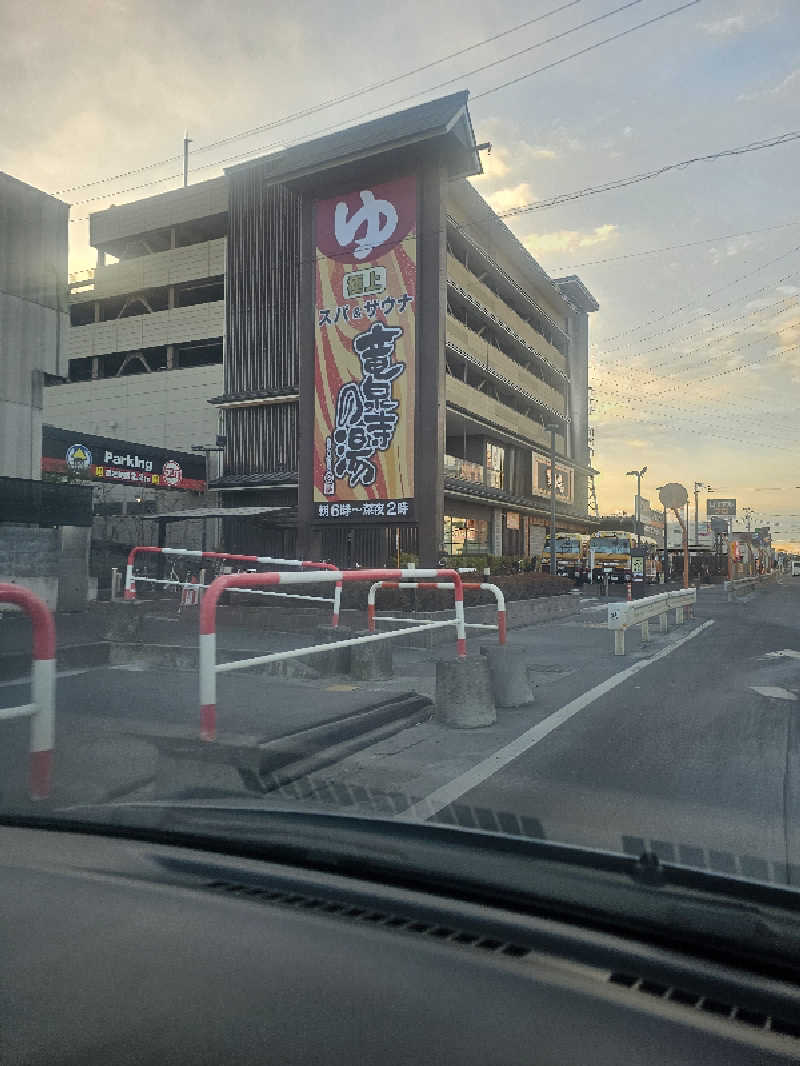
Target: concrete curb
<point>191,764</point>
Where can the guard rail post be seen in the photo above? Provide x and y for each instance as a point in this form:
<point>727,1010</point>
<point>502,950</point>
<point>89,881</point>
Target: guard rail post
<point>466,585</point>
<point>207,641</point>
<point>41,709</point>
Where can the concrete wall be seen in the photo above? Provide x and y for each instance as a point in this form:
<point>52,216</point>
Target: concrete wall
<point>199,322</point>
<point>192,263</point>
<point>52,563</point>
<point>202,200</point>
<point>167,409</point>
<point>33,282</point>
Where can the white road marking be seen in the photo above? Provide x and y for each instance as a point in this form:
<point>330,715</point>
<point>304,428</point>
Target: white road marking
<point>61,673</point>
<point>773,692</point>
<point>447,794</point>
<point>787,653</point>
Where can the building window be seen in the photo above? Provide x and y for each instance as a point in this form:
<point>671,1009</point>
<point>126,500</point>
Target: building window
<point>463,469</point>
<point>465,536</point>
<point>495,461</point>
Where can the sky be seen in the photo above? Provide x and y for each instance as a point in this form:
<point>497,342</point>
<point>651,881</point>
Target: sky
<point>695,351</point>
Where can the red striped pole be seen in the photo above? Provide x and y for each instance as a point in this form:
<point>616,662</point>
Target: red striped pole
<point>43,686</point>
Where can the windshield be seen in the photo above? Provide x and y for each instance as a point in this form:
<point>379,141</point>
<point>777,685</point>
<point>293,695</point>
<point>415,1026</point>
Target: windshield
<point>285,444</point>
<point>564,545</point>
<point>616,545</point>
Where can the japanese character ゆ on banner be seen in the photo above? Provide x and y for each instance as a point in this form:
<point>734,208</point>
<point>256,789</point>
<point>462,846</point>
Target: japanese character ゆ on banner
<point>365,353</point>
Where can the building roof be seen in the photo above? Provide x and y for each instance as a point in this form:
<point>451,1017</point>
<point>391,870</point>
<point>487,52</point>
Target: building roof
<point>576,292</point>
<point>446,117</point>
<point>211,512</point>
<point>267,479</point>
<point>24,189</point>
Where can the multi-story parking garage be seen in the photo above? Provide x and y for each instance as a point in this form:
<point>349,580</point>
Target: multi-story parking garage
<point>394,361</point>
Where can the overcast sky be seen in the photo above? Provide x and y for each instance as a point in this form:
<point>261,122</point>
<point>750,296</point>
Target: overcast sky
<point>695,351</point>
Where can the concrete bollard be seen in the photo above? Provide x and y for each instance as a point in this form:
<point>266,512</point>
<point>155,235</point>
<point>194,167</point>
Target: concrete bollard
<point>619,641</point>
<point>679,616</point>
<point>125,618</point>
<point>337,660</point>
<point>646,631</point>
<point>371,661</point>
<point>464,693</point>
<point>508,671</point>
<point>663,622</point>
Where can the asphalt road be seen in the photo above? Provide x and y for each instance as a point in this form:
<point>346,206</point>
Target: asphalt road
<point>688,745</point>
<point>695,755</point>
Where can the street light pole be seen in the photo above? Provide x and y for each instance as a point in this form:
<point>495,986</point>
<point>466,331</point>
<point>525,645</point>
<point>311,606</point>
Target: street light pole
<point>638,474</point>
<point>698,487</point>
<point>553,427</point>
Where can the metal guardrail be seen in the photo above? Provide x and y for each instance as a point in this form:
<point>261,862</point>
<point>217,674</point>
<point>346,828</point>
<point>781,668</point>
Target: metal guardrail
<point>742,585</point>
<point>302,564</point>
<point>372,618</point>
<point>622,616</point>
<point>209,667</point>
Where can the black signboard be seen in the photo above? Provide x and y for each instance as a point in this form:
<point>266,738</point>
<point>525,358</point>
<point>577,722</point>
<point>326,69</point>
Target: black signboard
<point>92,458</point>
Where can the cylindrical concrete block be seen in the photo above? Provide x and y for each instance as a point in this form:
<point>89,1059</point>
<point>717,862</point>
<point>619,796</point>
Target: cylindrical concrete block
<point>125,619</point>
<point>464,693</point>
<point>371,661</point>
<point>337,660</point>
<point>508,670</point>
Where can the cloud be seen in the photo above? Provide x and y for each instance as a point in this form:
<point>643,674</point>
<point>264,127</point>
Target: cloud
<point>785,83</point>
<point>514,196</point>
<point>570,240</point>
<point>726,27</point>
<point>516,156</point>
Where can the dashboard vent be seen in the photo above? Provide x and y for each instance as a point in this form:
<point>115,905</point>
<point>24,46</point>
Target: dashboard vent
<point>298,901</point>
<point>708,1004</point>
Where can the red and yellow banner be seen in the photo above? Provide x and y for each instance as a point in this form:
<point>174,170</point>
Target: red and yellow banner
<point>365,309</point>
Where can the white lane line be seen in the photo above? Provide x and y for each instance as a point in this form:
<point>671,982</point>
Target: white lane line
<point>447,794</point>
<point>774,692</point>
<point>76,672</point>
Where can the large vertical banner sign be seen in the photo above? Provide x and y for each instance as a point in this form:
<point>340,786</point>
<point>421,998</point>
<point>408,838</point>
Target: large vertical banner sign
<point>366,273</point>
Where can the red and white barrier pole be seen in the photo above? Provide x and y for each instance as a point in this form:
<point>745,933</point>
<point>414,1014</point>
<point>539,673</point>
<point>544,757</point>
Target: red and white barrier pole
<point>629,591</point>
<point>337,603</point>
<point>467,585</point>
<point>304,564</point>
<point>208,612</point>
<point>43,687</point>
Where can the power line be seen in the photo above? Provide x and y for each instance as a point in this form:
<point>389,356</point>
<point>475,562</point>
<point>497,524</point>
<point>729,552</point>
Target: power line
<point>635,179</point>
<point>788,304</point>
<point>589,48</point>
<point>324,105</point>
<point>460,77</point>
<point>673,247</point>
<point>705,314</point>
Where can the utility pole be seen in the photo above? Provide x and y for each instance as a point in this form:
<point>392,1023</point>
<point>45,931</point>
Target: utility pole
<point>187,140</point>
<point>638,474</point>
<point>553,427</point>
<point>748,513</point>
<point>698,488</point>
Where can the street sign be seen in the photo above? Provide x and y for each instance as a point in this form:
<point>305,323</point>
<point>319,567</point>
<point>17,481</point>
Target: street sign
<point>719,525</point>
<point>673,496</point>
<point>720,508</point>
